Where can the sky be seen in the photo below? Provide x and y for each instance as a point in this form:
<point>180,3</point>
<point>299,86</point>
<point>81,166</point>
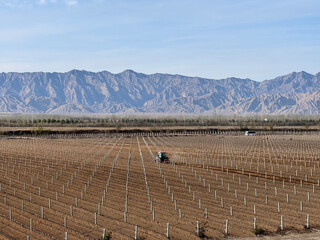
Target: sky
<point>256,39</point>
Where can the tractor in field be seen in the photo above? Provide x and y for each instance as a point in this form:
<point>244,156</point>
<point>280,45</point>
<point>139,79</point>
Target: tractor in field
<point>162,158</point>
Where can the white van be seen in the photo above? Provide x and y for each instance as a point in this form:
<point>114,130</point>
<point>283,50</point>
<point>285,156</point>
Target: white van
<point>250,133</point>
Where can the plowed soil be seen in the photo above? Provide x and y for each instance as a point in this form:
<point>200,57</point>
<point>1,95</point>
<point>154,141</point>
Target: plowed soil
<point>85,185</point>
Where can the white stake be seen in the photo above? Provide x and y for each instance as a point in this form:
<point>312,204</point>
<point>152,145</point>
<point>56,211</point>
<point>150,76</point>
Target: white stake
<point>136,233</point>
<point>71,210</point>
<point>227,223</point>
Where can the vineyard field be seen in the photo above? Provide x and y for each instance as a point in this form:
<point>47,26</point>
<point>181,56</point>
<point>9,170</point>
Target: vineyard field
<point>218,185</point>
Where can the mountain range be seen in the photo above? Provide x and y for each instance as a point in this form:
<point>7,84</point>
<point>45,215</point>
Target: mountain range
<point>87,92</point>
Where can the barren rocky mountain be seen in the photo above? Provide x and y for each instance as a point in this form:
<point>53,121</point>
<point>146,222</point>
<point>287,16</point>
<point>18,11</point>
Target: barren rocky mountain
<point>131,92</point>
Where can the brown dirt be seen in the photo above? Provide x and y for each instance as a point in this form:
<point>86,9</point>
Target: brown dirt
<point>76,165</point>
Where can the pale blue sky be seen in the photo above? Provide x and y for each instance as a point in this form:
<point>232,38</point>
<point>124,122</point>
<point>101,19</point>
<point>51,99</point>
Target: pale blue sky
<point>258,39</point>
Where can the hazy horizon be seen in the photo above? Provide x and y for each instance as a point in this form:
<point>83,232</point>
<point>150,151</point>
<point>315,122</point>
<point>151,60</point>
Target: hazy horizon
<point>161,73</point>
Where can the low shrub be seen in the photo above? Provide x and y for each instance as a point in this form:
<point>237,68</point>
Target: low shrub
<point>258,231</point>
<point>108,236</point>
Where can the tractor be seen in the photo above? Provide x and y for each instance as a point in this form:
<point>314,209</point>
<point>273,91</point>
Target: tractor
<point>162,158</point>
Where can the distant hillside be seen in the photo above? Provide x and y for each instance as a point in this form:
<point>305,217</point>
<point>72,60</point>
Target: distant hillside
<point>130,92</point>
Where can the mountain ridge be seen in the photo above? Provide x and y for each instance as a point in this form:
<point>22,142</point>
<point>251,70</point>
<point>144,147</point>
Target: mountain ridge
<point>81,91</point>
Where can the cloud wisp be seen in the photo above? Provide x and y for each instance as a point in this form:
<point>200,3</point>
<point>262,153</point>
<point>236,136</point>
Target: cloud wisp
<point>32,3</point>
<point>71,2</point>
